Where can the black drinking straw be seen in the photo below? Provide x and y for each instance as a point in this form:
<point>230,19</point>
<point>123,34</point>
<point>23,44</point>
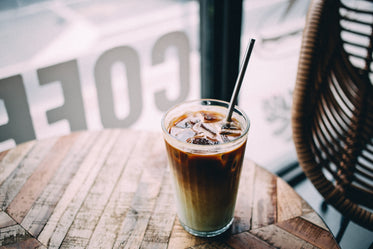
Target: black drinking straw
<point>240,77</point>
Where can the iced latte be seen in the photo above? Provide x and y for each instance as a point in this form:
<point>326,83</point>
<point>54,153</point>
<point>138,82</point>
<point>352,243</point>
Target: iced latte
<point>205,156</point>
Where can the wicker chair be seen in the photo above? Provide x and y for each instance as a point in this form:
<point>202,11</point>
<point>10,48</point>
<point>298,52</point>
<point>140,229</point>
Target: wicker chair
<point>332,113</point>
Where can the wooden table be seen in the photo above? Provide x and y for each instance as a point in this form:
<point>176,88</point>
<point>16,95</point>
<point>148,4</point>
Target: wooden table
<point>112,188</point>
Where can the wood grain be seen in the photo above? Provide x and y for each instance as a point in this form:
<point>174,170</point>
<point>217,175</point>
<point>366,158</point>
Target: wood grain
<point>113,189</point>
<point>35,184</point>
<point>247,240</point>
<point>10,159</point>
<point>265,199</point>
<point>289,204</point>
<point>25,165</point>
<point>308,231</point>
<point>280,238</point>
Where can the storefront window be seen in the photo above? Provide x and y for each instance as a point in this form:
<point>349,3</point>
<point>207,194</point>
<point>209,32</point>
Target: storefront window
<point>73,65</point>
<point>266,93</point>
<point>79,64</point>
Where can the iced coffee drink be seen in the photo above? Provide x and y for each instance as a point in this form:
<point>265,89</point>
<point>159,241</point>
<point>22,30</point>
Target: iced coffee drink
<point>205,156</point>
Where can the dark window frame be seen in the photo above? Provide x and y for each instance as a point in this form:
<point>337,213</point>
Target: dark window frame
<point>220,43</point>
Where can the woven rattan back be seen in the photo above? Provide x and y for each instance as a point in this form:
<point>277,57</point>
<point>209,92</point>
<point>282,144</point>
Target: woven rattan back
<point>332,115</point>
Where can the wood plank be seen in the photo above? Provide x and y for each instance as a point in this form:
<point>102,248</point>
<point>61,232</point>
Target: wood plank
<point>153,245</point>
<point>25,167</point>
<point>163,217</point>
<point>6,220</point>
<point>265,198</point>
<point>10,159</point>
<point>34,185</point>
<point>289,203</point>
<point>314,218</point>
<point>119,203</point>
<point>26,243</point>
<point>40,212</point>
<point>244,204</point>
<point>11,233</point>
<point>306,207</point>
<point>137,219</point>
<point>66,209</point>
<point>309,232</point>
<point>212,243</point>
<point>3,154</point>
<point>247,240</point>
<point>182,239</point>
<point>96,200</point>
<point>164,213</point>
<point>121,199</point>
<point>279,238</point>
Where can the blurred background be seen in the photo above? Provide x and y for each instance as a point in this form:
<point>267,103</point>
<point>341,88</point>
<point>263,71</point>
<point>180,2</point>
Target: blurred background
<point>69,65</point>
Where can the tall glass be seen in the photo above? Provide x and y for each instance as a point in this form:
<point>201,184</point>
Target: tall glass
<point>206,177</point>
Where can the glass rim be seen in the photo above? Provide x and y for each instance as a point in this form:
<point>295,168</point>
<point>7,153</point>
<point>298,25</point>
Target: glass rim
<point>204,146</point>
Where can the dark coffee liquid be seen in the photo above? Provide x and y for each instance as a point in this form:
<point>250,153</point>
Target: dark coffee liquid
<point>206,184</point>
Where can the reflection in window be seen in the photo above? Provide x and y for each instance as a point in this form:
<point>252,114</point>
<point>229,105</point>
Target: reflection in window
<point>68,56</point>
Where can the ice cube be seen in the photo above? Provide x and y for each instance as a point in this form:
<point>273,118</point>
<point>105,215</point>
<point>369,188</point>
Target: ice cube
<point>199,140</point>
<point>228,132</point>
<point>209,129</point>
<point>211,117</point>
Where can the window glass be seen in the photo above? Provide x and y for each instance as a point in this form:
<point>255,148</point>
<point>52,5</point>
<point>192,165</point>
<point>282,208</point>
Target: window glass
<point>79,64</point>
<point>266,93</point>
